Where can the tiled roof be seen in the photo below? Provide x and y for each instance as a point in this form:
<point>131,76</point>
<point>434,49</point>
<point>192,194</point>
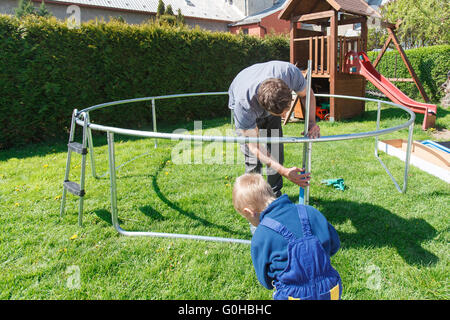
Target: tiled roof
<point>206,9</point>
<point>359,7</point>
<point>254,18</point>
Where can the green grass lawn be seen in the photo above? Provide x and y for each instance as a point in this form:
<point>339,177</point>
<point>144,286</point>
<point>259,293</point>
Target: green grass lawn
<point>393,245</point>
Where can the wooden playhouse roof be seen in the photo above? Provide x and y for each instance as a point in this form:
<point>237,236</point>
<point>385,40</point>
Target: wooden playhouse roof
<point>300,7</point>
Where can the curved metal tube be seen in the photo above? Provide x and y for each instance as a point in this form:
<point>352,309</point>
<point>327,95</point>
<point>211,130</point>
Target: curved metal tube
<point>82,118</point>
<point>235,139</point>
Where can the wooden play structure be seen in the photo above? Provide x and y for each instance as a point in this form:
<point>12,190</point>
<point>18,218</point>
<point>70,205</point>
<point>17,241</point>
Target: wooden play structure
<point>328,52</point>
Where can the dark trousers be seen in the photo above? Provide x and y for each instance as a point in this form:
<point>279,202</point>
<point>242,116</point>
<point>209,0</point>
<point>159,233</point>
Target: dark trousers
<point>268,127</point>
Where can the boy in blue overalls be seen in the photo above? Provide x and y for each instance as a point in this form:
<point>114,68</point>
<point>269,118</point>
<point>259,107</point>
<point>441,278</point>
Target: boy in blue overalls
<point>292,244</point>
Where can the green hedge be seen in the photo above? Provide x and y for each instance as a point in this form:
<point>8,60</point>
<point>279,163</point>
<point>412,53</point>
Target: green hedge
<point>431,65</point>
<point>47,70</point>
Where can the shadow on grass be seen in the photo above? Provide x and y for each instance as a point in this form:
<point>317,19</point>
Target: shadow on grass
<point>105,215</point>
<point>188,214</point>
<point>152,213</point>
<point>378,227</point>
<point>155,215</point>
<point>396,113</point>
<point>59,144</point>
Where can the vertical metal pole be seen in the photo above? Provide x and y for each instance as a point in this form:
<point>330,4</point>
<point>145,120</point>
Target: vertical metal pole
<point>154,120</point>
<point>112,177</point>
<point>69,155</point>
<point>378,127</point>
<point>91,146</point>
<point>408,157</point>
<point>232,118</point>
<point>304,192</point>
<point>83,170</point>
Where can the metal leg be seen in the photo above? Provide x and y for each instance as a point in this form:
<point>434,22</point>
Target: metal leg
<point>154,120</point>
<point>69,155</point>
<point>407,158</point>
<point>112,177</point>
<point>114,210</point>
<point>91,146</point>
<point>83,170</point>
<point>304,192</point>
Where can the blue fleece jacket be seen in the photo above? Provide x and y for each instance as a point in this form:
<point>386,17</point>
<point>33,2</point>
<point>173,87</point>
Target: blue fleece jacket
<point>269,249</point>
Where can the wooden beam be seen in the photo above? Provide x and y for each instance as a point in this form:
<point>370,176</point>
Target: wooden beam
<point>364,40</point>
<point>334,4</point>
<point>401,79</point>
<point>364,34</point>
<point>383,50</point>
<point>386,24</point>
<point>291,42</point>
<point>313,16</point>
<point>408,64</point>
<point>352,21</point>
<point>333,61</point>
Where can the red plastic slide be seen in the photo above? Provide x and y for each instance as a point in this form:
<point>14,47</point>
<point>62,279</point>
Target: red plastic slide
<point>359,63</point>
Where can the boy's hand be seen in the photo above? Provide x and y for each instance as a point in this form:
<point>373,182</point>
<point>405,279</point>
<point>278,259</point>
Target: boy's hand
<point>295,175</point>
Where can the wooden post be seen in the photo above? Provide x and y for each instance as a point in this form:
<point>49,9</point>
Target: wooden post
<point>328,55</point>
<point>364,37</point>
<point>333,61</point>
<point>291,42</point>
<point>383,50</point>
<point>316,55</point>
<point>322,53</point>
<point>408,64</point>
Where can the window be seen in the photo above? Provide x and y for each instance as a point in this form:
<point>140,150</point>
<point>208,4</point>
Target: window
<point>244,30</point>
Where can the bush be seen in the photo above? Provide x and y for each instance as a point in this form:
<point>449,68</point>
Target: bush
<point>431,65</point>
<point>47,70</point>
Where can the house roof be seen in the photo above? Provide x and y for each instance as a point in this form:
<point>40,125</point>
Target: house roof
<point>299,7</point>
<point>205,9</point>
<point>255,18</point>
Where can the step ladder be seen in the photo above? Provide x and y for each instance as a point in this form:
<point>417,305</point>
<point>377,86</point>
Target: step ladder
<point>80,148</point>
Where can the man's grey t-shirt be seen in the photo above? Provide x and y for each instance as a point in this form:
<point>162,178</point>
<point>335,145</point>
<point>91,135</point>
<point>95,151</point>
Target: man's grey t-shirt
<point>243,89</point>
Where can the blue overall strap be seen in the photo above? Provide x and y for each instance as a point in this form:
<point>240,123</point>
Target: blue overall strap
<point>278,228</point>
<point>303,216</point>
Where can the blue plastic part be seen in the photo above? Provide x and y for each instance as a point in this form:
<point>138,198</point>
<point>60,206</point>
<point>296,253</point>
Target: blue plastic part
<point>435,145</point>
<point>301,196</point>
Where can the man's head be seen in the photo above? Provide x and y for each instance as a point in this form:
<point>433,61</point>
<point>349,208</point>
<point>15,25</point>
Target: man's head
<point>274,96</point>
<point>251,195</point>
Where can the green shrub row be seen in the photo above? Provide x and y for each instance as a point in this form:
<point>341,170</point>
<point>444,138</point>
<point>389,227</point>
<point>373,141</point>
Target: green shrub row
<point>431,65</point>
<point>47,70</point>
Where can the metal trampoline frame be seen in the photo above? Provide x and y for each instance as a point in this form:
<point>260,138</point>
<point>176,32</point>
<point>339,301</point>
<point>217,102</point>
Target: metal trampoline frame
<point>82,118</point>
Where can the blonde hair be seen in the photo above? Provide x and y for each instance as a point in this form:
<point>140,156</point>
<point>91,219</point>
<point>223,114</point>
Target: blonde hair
<point>252,191</point>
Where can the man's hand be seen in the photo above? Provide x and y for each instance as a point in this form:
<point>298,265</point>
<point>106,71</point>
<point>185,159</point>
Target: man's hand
<point>313,131</point>
<point>295,175</point>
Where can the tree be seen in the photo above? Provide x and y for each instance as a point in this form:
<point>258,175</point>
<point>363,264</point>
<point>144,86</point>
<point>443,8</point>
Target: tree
<point>424,22</point>
<point>25,7</point>
<point>161,9</point>
<point>169,10</point>
<point>43,11</point>
<point>180,17</point>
